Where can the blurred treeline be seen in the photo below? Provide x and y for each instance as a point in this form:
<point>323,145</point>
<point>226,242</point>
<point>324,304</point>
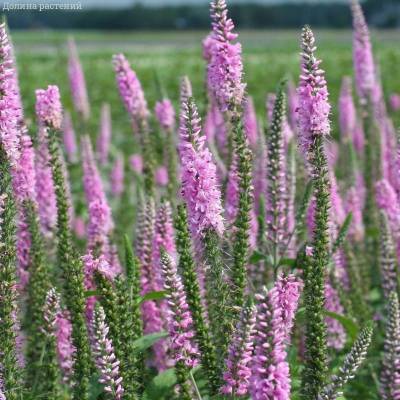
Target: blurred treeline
<point>380,13</point>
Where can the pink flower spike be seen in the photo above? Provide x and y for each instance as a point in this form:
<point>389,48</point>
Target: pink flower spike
<point>48,107</point>
<point>250,122</point>
<point>198,175</point>
<point>165,114</point>
<point>362,54</point>
<point>69,138</point>
<point>104,137</point>
<point>77,81</point>
<point>313,110</point>
<point>131,92</point>
<point>136,163</point>
<point>161,176</point>
<point>117,176</point>
<point>394,101</point>
<point>347,110</point>
<point>225,68</point>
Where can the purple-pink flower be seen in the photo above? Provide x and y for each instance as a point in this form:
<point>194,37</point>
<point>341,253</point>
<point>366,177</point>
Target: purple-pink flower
<point>77,81</point>
<point>394,101</point>
<point>313,110</point>
<point>347,110</point>
<point>238,362</point>
<point>104,137</point>
<point>225,68</point>
<point>362,54</point>
<point>45,191</point>
<point>180,324</point>
<point>198,175</point>
<point>65,348</point>
<point>131,92</point>
<point>250,122</point>
<point>336,336</point>
<point>10,111</point>
<point>270,379</point>
<point>161,176</point>
<point>117,176</point>
<point>165,114</point>
<point>69,138</point>
<point>106,361</point>
<point>136,163</point>
<point>48,107</point>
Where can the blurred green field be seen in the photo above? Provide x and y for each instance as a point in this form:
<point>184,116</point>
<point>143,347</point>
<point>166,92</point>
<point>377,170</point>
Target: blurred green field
<point>160,58</point>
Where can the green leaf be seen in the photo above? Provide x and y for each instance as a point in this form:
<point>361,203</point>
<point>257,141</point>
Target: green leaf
<point>256,257</point>
<point>90,293</point>
<point>348,324</point>
<point>146,341</point>
<point>161,385</point>
<point>156,295</point>
<point>291,262</point>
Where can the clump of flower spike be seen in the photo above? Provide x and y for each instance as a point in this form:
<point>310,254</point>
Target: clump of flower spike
<point>270,378</point>
<point>77,81</point>
<point>390,375</point>
<point>70,265</point>
<point>9,110</point>
<point>103,351</point>
<point>225,68</point>
<point>362,53</point>
<point>180,325</point>
<point>313,126</point>
<point>387,258</point>
<point>350,365</point>
<point>9,368</point>
<point>104,137</point>
<point>131,92</point>
<point>238,363</point>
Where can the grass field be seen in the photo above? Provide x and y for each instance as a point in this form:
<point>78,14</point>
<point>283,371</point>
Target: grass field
<point>160,58</point>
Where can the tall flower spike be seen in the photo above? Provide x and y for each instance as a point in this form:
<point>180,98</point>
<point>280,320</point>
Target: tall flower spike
<point>275,315</point>
<point>387,258</point>
<point>238,363</point>
<point>347,110</point>
<point>193,291</point>
<point>69,264</point>
<point>77,81</point>
<point>24,190</point>
<point>313,110</point>
<point>336,335</point>
<point>117,176</point>
<point>276,186</point>
<point>9,369</point>
<point>180,325</point>
<point>390,375</point>
<point>199,178</point>
<point>51,310</point>
<point>9,111</point>
<point>362,53</point>
<point>313,123</point>
<point>45,193</point>
<point>103,351</point>
<point>104,137</point>
<point>48,107</point>
<point>69,138</point>
<point>165,114</point>
<point>250,122</point>
<point>65,348</point>
<point>225,69</point>
<point>131,92</point>
<point>349,367</point>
